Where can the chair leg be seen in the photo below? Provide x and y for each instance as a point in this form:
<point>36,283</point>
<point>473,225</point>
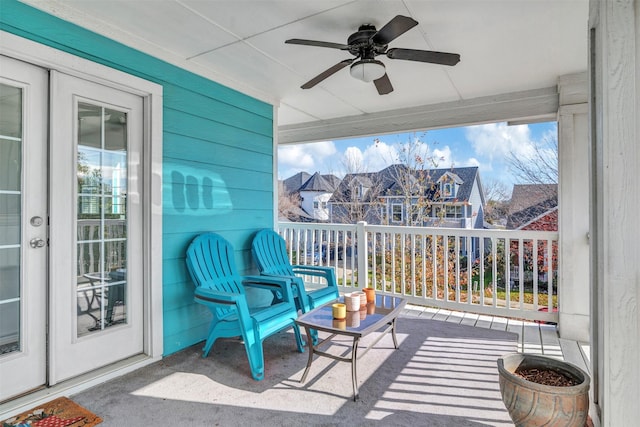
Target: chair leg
<point>299,341</point>
<point>255,356</point>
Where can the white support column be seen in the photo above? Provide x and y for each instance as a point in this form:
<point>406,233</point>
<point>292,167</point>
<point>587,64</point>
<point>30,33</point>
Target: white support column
<point>615,225</point>
<point>573,219</point>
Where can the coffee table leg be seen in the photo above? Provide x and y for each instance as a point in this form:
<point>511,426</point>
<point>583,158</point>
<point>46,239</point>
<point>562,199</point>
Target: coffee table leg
<point>393,333</point>
<point>354,359</point>
<point>311,348</point>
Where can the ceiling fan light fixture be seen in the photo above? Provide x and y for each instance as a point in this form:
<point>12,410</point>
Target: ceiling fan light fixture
<point>367,70</point>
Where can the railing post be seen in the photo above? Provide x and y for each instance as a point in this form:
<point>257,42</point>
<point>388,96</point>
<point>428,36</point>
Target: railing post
<point>363,254</point>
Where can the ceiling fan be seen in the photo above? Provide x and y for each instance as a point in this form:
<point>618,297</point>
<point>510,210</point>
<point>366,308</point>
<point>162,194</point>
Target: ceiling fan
<point>367,43</point>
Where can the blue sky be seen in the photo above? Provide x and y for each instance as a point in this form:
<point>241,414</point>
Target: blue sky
<point>486,146</point>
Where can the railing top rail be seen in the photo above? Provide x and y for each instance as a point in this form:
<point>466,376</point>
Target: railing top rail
<point>438,231</point>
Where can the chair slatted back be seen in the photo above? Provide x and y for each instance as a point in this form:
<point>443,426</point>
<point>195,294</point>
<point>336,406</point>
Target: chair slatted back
<point>211,264</point>
<point>270,253</point>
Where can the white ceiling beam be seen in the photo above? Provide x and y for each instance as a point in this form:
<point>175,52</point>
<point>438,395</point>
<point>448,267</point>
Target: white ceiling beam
<point>527,106</point>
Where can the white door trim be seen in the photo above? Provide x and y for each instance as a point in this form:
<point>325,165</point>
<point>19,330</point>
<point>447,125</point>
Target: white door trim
<point>50,58</point>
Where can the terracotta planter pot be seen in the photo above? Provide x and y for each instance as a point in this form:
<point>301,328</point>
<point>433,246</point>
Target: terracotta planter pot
<point>531,404</point>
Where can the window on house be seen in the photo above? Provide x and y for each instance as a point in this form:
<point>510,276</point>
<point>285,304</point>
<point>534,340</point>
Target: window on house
<point>315,205</point>
<point>324,205</point>
<point>428,211</point>
<point>452,211</point>
<point>396,213</point>
<point>448,189</point>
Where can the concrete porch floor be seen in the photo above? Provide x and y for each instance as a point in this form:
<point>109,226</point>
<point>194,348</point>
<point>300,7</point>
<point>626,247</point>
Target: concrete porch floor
<point>443,374</point>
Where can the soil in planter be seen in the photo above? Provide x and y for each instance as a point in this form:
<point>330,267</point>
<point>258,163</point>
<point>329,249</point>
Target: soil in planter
<point>546,377</point>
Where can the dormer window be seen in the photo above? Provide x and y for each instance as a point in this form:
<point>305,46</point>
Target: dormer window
<point>449,185</point>
<point>448,189</point>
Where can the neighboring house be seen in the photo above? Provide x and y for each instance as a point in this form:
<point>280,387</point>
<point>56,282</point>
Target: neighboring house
<point>313,193</point>
<point>397,195</point>
<point>533,207</point>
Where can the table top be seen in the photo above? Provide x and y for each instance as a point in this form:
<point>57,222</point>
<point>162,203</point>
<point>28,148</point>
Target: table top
<point>358,323</point>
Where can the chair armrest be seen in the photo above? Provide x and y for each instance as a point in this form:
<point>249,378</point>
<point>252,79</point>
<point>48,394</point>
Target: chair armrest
<point>217,297</point>
<point>328,273</point>
<point>281,283</point>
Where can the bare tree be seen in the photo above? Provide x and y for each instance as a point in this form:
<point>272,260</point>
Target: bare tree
<point>288,205</point>
<point>412,181</point>
<point>496,196</point>
<point>541,167</point>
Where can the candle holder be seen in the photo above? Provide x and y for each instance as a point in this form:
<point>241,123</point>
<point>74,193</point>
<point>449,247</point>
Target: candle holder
<point>352,301</point>
<point>371,294</point>
<point>363,299</point>
<point>339,311</point>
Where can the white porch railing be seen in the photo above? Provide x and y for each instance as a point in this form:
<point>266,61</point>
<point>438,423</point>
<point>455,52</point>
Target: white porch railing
<point>458,269</point>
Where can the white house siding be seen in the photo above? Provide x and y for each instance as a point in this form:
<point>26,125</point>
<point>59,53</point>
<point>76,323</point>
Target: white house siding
<point>308,199</point>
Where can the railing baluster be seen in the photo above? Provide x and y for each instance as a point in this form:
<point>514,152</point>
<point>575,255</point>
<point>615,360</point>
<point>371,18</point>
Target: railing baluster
<point>521,272</point>
<point>434,264</point>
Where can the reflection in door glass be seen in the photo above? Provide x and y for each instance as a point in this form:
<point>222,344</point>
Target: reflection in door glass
<point>101,218</point>
<point>10,217</point>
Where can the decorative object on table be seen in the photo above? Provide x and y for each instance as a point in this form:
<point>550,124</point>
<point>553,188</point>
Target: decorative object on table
<point>352,301</point>
<point>60,412</point>
<point>371,294</point>
<point>363,299</point>
<point>339,311</point>
<point>535,404</point>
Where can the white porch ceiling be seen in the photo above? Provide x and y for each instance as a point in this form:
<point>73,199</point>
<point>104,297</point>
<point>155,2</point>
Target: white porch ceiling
<point>506,46</point>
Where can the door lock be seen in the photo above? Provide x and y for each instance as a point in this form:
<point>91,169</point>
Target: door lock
<point>37,243</point>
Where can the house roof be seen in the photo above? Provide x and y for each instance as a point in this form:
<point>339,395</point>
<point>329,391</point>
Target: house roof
<point>303,181</point>
<point>529,201</point>
<point>393,180</point>
<point>319,182</point>
<point>293,183</point>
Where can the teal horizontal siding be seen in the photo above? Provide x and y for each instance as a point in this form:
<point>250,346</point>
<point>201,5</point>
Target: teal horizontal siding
<point>217,159</point>
<point>198,104</point>
<point>189,125</point>
<point>181,147</point>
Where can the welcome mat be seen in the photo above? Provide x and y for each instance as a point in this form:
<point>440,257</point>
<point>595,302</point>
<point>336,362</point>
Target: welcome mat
<point>60,412</point>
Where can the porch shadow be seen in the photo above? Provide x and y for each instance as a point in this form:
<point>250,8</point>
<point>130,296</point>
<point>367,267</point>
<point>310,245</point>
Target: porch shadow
<point>443,374</point>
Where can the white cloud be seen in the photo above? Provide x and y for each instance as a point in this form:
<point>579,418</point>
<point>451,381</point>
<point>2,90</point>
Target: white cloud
<point>442,158</point>
<point>378,156</point>
<point>296,158</point>
<point>496,140</point>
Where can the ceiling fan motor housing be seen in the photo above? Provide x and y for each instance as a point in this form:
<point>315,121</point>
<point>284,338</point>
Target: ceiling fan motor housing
<point>361,43</point>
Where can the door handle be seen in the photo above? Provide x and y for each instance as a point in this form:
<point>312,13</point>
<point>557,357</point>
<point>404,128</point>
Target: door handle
<point>37,243</point>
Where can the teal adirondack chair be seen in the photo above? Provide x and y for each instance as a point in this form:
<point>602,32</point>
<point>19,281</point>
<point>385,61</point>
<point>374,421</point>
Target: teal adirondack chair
<point>221,289</point>
<point>270,253</point>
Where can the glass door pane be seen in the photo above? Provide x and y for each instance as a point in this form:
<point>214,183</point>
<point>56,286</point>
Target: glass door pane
<point>10,217</point>
<point>102,218</point>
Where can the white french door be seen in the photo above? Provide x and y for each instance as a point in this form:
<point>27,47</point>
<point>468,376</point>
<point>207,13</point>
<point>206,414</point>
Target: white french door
<point>96,282</point>
<point>23,214</point>
<point>71,252</point>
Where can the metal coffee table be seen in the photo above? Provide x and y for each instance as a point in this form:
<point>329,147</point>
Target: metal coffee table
<point>378,316</point>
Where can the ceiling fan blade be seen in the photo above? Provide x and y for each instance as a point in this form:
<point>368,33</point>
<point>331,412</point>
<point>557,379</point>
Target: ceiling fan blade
<point>394,28</point>
<point>431,56</point>
<point>383,84</point>
<point>318,44</point>
<point>326,73</point>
